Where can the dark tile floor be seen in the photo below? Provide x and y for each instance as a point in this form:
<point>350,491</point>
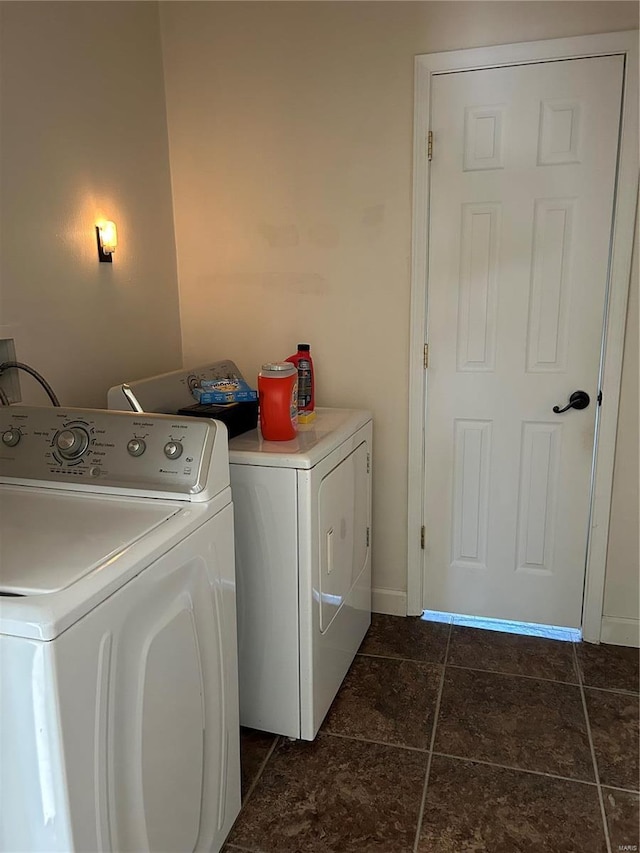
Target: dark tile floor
<point>445,739</point>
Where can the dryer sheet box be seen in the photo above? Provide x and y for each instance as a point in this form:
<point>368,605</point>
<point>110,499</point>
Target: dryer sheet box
<point>229,389</point>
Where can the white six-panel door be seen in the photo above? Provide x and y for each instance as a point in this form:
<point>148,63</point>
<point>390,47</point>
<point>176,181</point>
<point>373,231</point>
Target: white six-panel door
<point>522,184</point>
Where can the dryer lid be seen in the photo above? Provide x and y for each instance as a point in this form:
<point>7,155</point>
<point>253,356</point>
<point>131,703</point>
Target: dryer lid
<point>49,540</point>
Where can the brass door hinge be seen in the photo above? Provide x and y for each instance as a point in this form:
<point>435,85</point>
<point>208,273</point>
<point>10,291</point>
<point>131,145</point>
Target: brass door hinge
<point>422,537</point>
<point>368,536</point>
<point>368,463</point>
<point>426,356</point>
<point>430,145</point>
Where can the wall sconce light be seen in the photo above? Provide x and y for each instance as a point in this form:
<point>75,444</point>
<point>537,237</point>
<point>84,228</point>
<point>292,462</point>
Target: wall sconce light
<point>107,241</point>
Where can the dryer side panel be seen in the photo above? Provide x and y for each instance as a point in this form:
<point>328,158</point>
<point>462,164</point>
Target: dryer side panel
<point>266,523</point>
<point>335,574</point>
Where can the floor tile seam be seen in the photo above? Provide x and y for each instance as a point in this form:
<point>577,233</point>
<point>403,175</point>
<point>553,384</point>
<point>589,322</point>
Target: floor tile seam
<point>258,775</point>
<point>576,662</point>
<point>233,846</point>
<point>405,660</point>
<point>603,813</point>
<point>514,674</point>
<point>449,635</point>
<point>424,750</point>
<point>619,691</point>
<point>556,776</point>
<point>436,714</point>
<point>635,791</point>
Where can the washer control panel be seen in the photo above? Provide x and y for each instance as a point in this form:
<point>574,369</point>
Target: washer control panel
<point>113,450</point>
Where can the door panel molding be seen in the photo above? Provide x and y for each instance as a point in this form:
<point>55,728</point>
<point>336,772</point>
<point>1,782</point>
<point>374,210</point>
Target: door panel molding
<point>553,146</point>
<point>477,306</point>
<point>539,476</point>
<point>551,277</point>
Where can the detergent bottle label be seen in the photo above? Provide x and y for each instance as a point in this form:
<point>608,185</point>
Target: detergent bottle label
<point>293,406</point>
<point>304,383</point>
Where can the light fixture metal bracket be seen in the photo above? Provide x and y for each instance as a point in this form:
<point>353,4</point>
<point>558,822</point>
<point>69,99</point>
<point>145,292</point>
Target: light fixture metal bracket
<point>103,257</point>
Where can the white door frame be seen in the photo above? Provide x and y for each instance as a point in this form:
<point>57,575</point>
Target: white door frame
<point>626,44</point>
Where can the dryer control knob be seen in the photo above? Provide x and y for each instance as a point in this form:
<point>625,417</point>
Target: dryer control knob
<point>72,443</point>
<point>11,437</point>
<point>173,450</point>
<point>136,446</point>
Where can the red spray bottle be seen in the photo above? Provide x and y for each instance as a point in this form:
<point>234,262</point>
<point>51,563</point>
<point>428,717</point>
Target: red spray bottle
<point>306,383</point>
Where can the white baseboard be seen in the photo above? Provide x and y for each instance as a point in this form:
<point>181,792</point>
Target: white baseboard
<point>393,602</point>
<point>620,632</point>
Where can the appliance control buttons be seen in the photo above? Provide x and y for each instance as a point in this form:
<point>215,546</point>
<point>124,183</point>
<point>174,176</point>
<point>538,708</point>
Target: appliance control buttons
<point>11,437</point>
<point>72,443</point>
<point>173,450</point>
<point>136,446</point>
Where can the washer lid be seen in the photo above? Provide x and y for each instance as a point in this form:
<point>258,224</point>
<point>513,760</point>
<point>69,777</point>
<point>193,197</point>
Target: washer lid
<point>49,540</point>
<point>313,442</point>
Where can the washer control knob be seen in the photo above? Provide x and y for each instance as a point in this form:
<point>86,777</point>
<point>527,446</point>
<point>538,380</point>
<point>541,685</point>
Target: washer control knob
<point>11,437</point>
<point>173,450</point>
<point>136,446</point>
<point>72,443</point>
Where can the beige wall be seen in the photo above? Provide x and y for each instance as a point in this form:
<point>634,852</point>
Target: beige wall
<point>290,128</point>
<point>83,136</point>
<point>622,584</point>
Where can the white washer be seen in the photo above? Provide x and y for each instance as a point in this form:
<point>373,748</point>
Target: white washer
<point>119,712</point>
<point>303,555</point>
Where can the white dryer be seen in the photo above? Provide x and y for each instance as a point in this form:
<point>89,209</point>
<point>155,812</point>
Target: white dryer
<point>119,712</point>
<point>303,555</point>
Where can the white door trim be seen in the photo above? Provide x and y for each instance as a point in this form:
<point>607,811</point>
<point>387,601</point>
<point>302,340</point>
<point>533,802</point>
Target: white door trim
<point>625,43</point>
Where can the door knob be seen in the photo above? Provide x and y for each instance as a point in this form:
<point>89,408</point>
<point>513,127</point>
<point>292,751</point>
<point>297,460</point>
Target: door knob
<point>578,400</point>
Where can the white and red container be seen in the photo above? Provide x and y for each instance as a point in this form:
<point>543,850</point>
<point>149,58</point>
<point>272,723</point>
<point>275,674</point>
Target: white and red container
<point>278,399</point>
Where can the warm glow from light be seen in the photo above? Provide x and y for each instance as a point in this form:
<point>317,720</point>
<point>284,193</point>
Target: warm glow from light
<point>108,236</point>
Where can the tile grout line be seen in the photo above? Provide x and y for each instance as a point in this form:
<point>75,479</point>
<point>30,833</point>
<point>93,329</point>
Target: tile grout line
<point>436,714</point>
<point>514,674</point>
<point>635,791</point>
<point>473,760</point>
<point>405,747</point>
<point>575,683</point>
<point>514,769</point>
<point>576,663</point>
<point>470,759</point>
<point>397,657</point>
<point>596,772</point>
<point>260,771</point>
<point>620,692</point>
<point>499,672</point>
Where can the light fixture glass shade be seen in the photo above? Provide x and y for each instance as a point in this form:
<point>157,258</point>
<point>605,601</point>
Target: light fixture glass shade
<point>108,236</point>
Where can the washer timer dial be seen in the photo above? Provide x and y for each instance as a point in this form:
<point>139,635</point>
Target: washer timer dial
<point>72,443</point>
